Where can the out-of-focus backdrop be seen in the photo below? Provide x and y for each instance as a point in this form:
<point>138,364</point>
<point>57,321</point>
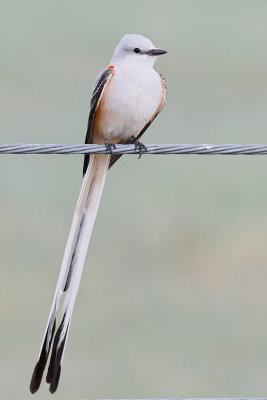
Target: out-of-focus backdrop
<point>173,298</point>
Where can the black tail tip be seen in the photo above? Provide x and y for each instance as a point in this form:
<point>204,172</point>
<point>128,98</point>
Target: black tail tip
<point>33,387</point>
<point>36,378</point>
<point>55,380</point>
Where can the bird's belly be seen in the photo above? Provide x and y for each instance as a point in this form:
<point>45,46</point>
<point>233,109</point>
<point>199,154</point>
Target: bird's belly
<point>127,105</point>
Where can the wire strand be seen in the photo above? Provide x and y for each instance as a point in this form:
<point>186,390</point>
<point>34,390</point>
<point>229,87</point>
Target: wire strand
<point>205,149</point>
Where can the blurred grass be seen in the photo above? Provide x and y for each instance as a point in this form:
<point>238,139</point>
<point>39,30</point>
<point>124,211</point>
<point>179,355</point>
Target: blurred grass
<point>175,304</point>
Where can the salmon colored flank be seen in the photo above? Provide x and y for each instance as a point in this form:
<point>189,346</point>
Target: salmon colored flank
<point>111,66</point>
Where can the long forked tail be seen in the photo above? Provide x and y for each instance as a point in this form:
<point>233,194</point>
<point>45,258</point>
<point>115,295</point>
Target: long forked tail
<point>71,271</point>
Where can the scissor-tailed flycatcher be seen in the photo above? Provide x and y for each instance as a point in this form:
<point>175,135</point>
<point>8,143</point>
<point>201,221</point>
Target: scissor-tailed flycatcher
<point>126,98</point>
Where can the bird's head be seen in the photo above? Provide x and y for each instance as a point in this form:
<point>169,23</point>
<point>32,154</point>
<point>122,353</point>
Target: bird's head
<point>136,49</point>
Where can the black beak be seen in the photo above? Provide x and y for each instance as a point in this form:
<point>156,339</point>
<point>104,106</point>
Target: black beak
<point>156,52</point>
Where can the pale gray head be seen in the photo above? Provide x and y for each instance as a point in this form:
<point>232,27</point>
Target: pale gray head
<point>136,49</point>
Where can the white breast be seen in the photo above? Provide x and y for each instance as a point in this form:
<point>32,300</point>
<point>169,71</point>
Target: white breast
<point>130,101</point>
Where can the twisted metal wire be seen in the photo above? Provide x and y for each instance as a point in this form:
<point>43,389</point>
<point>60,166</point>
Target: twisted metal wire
<point>209,149</point>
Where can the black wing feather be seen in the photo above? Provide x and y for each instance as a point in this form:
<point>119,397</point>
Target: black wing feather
<point>98,89</point>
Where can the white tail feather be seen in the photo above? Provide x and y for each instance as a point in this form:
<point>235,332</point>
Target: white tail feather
<point>68,253</point>
<point>74,258</point>
<point>100,166</point>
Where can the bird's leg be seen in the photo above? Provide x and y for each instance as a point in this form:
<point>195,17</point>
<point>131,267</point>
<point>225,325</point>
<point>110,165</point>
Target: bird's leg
<point>110,146</point>
<point>139,146</point>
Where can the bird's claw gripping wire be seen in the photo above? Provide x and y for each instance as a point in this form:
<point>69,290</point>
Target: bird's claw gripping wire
<point>110,146</point>
<point>140,146</point>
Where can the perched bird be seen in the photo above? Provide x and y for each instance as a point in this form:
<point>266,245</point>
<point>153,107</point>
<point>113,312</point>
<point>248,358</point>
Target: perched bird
<point>126,98</point>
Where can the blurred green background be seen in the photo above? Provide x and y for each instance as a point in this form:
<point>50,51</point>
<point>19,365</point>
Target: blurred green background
<point>173,297</point>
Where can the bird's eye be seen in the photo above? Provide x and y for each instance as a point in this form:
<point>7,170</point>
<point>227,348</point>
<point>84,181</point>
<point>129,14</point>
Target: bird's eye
<point>137,50</point>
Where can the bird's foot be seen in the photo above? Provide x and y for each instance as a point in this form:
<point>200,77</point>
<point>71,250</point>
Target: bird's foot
<point>140,146</point>
<point>110,146</point>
